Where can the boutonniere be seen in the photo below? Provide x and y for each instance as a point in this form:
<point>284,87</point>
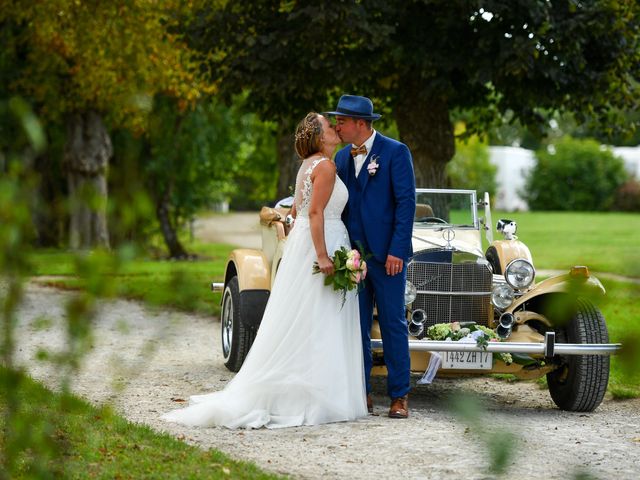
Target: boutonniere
<point>373,165</point>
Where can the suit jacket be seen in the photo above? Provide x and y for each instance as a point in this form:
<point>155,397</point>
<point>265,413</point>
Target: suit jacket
<point>388,198</point>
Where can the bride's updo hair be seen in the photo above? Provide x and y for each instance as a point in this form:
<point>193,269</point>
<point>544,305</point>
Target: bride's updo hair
<point>309,135</point>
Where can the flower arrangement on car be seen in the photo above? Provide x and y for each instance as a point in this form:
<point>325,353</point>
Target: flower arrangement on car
<point>349,270</point>
<point>456,333</point>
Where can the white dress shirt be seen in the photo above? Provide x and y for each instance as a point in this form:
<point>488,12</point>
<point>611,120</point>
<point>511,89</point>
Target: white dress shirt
<point>358,160</point>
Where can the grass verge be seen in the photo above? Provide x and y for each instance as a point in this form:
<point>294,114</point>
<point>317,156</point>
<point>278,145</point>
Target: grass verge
<point>97,443</point>
<point>182,285</point>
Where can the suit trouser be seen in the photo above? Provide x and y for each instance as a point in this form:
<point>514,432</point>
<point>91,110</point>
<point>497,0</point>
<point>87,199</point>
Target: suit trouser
<point>388,294</point>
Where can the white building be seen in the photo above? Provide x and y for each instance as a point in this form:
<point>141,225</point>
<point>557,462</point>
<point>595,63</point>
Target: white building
<point>514,164</point>
<point>631,157</point>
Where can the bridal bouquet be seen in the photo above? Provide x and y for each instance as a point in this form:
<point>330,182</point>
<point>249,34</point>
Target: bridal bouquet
<point>349,270</point>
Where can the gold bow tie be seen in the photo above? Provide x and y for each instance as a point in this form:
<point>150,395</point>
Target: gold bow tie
<point>361,150</point>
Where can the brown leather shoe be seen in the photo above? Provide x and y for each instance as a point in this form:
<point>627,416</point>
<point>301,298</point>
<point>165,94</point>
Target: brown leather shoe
<point>369,403</point>
<point>399,407</point>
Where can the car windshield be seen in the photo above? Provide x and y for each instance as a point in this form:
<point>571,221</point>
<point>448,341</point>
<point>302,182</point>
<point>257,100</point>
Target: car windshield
<point>438,208</point>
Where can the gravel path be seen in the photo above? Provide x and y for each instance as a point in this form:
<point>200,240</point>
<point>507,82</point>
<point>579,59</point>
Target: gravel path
<point>145,362</point>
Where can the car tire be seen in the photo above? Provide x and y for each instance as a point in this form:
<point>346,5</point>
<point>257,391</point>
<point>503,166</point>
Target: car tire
<point>580,382</point>
<point>236,336</point>
<point>494,260</point>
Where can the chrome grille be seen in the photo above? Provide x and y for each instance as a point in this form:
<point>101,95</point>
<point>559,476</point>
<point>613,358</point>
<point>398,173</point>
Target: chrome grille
<point>452,292</point>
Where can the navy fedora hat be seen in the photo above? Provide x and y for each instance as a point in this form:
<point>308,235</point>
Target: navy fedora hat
<point>356,107</point>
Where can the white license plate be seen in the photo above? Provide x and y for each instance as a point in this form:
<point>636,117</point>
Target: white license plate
<point>467,360</point>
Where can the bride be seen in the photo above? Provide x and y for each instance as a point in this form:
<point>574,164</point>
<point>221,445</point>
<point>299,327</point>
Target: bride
<point>306,364</point>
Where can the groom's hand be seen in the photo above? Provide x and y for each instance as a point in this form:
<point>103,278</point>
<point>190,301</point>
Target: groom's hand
<point>393,265</point>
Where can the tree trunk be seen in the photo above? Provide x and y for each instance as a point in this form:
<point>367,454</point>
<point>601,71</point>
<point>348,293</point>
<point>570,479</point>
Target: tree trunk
<point>424,125</point>
<point>176,250</point>
<point>288,162</point>
<point>87,153</point>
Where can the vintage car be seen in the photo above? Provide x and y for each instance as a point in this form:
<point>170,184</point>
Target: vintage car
<point>470,310</point>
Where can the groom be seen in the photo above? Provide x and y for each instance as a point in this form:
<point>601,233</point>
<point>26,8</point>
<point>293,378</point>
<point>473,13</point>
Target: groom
<point>378,172</point>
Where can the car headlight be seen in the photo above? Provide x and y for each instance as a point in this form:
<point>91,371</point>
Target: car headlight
<point>520,274</point>
<point>502,296</point>
<point>410,293</point>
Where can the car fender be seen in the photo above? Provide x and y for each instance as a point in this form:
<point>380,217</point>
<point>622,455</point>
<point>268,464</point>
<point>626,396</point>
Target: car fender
<point>565,283</point>
<point>277,258</point>
<point>509,250</point>
<point>251,267</point>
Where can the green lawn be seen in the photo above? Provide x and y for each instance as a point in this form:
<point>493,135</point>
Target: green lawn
<point>181,285</point>
<point>621,309</point>
<point>96,443</point>
<point>605,242</point>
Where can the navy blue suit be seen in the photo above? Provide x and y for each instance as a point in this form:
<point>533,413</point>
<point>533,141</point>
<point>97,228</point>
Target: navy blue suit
<point>379,215</point>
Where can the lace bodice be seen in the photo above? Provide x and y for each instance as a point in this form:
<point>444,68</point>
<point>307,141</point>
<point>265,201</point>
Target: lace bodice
<point>304,191</point>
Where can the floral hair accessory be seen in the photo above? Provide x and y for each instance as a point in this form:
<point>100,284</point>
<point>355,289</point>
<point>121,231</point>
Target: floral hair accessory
<point>306,131</point>
<point>373,165</point>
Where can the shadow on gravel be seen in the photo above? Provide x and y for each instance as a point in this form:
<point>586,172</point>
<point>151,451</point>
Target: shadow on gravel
<point>491,393</point>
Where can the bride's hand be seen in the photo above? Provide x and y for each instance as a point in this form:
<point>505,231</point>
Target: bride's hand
<point>325,265</point>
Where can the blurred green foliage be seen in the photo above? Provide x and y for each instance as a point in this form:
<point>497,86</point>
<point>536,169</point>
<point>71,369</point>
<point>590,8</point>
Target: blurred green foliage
<point>211,154</point>
<point>21,433</point>
<point>627,198</point>
<point>471,167</point>
<point>22,139</point>
<point>157,282</point>
<point>189,162</point>
<point>574,175</point>
<point>621,309</point>
<point>46,435</point>
<point>82,441</point>
<point>499,443</point>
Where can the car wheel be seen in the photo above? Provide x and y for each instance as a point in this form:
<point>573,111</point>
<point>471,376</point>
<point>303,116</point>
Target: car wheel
<point>237,337</point>
<point>494,260</point>
<point>580,382</point>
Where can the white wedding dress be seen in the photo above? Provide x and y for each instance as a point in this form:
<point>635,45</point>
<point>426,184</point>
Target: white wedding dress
<point>306,364</point>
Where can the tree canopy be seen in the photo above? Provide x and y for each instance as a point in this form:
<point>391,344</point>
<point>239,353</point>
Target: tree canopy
<point>111,57</point>
<point>424,59</point>
<point>93,66</point>
<point>193,159</point>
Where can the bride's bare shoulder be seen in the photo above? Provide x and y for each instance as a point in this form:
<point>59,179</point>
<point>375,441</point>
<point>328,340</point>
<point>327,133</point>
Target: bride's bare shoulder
<point>326,167</point>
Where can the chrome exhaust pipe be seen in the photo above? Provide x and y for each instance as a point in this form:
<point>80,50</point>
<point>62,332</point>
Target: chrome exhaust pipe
<point>505,325</point>
<point>416,325</point>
